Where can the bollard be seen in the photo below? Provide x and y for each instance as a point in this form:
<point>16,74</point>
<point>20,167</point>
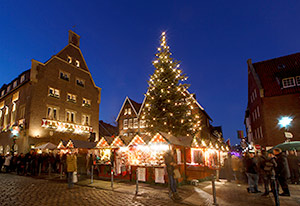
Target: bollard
<point>112,178</point>
<point>40,169</point>
<point>92,174</point>
<point>214,190</point>
<point>137,181</point>
<point>61,171</point>
<point>49,171</point>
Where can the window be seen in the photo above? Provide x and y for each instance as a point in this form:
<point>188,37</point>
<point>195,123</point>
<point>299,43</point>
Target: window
<point>77,63</point>
<point>298,80</point>
<point>135,123</point>
<point>2,93</point>
<point>13,113</point>
<point>257,132</point>
<point>255,115</point>
<point>125,134</point>
<point>6,120</point>
<point>64,76</point>
<point>288,82</point>
<point>70,116</point>
<point>255,94</point>
<point>69,59</point>
<point>258,114</point>
<point>142,123</point>
<point>53,92</point>
<point>129,111</point>
<point>8,88</point>
<point>71,98</point>
<point>22,78</point>
<point>22,112</point>
<point>86,102</point>
<point>52,113</point>
<point>125,124</point>
<point>130,124</point>
<point>130,134</point>
<point>15,84</point>
<point>80,82</point>
<point>125,111</point>
<point>85,119</point>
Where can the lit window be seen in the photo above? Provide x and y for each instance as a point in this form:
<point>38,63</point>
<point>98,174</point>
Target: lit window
<point>53,92</point>
<point>86,102</point>
<point>135,123</point>
<point>125,124</point>
<point>125,111</point>
<point>298,80</point>
<point>64,76</point>
<point>80,82</point>
<point>142,123</point>
<point>71,98</point>
<point>125,134</point>
<point>52,113</point>
<point>15,84</point>
<point>8,88</point>
<point>22,78</point>
<point>288,82</point>
<point>85,119</point>
<point>77,63</point>
<point>130,124</point>
<point>69,59</point>
<point>13,113</point>
<point>129,111</point>
<point>70,116</point>
<point>2,93</point>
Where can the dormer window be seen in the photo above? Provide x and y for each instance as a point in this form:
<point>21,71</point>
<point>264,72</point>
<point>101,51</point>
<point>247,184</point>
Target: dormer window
<point>15,84</point>
<point>288,82</point>
<point>129,111</point>
<point>125,111</point>
<point>69,60</point>
<point>64,76</point>
<point>281,66</point>
<point>22,78</point>
<point>77,63</point>
<point>2,93</point>
<point>8,88</point>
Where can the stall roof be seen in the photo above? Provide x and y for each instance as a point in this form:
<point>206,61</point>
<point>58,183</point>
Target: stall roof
<point>109,139</point>
<point>83,144</point>
<point>185,141</point>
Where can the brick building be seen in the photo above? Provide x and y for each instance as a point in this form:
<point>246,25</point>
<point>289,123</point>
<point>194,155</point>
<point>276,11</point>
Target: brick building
<point>273,92</point>
<point>51,101</point>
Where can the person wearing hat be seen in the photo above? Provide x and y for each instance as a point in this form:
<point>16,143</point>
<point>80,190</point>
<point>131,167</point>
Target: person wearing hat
<point>282,171</point>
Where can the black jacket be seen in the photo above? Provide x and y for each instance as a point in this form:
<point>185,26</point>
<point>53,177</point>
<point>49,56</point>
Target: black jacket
<point>251,165</point>
<point>282,170</point>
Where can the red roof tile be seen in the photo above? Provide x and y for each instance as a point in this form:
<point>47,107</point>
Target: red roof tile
<point>271,72</point>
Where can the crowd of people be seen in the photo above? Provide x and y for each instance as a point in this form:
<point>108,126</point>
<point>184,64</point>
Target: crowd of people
<point>31,163</point>
<point>274,169</point>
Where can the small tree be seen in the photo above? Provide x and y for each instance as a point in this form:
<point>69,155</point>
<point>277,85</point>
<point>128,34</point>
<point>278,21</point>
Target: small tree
<point>168,105</point>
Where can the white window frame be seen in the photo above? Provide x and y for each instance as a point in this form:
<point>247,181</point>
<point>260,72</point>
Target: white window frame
<point>298,80</point>
<point>129,111</point>
<point>142,123</point>
<point>54,93</point>
<point>71,97</point>
<point>8,88</point>
<point>86,102</point>
<point>258,113</point>
<point>64,76</point>
<point>15,84</point>
<point>68,117</point>
<point>125,124</point>
<point>2,93</point>
<point>81,81</point>
<point>288,82</point>
<point>125,111</point>
<point>69,59</point>
<point>52,115</point>
<point>86,119</point>
<point>77,63</point>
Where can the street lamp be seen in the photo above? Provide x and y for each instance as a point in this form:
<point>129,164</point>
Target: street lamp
<point>285,121</point>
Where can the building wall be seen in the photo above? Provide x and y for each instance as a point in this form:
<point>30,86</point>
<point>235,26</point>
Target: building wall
<point>273,109</point>
<point>132,116</point>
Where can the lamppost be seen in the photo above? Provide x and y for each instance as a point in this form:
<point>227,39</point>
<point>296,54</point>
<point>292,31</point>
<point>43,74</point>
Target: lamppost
<point>285,121</point>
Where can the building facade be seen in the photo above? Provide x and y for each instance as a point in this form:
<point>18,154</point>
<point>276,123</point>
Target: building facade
<point>52,101</point>
<point>273,92</point>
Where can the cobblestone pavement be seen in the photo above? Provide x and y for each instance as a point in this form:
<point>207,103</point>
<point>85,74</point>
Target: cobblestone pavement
<point>19,190</point>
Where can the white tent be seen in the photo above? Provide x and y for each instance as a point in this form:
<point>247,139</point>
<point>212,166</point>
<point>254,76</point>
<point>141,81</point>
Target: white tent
<point>47,145</point>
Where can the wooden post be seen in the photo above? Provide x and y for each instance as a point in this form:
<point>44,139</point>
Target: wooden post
<point>137,181</point>
<point>214,189</point>
<point>92,174</point>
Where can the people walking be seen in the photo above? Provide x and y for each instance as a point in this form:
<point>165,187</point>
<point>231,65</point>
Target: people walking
<point>170,164</point>
<point>282,171</point>
<point>294,167</point>
<point>71,168</point>
<point>252,172</point>
<point>7,162</point>
<point>268,165</point>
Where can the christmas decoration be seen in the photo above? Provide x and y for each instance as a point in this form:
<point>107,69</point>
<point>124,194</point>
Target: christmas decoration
<point>169,106</point>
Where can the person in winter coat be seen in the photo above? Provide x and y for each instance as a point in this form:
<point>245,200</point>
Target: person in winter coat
<point>268,165</point>
<point>294,167</point>
<point>282,171</point>
<point>252,172</point>
<point>71,168</point>
<point>7,162</point>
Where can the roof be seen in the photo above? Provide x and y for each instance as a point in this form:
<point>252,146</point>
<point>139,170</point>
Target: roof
<point>109,139</point>
<point>272,71</point>
<point>185,141</point>
<point>126,139</point>
<point>106,129</point>
<point>134,105</point>
<point>83,144</point>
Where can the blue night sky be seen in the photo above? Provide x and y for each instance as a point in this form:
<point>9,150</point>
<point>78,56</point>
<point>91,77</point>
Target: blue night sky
<point>212,39</point>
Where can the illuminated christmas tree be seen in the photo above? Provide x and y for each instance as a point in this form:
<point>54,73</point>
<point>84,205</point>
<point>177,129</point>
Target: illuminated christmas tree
<point>168,105</point>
